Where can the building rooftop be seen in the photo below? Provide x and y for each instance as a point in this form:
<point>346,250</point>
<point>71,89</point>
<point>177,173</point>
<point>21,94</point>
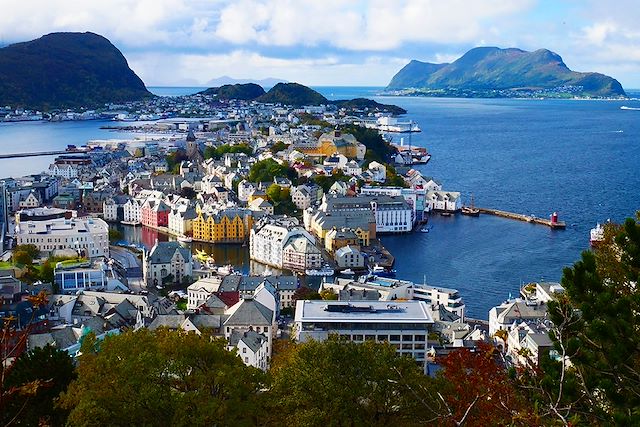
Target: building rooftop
<point>363,312</point>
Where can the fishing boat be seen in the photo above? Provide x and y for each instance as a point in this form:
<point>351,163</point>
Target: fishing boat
<point>470,210</point>
<point>382,272</point>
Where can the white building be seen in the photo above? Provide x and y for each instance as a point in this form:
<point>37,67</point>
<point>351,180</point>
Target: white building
<point>250,315</point>
<point>31,201</point>
<point>300,253</point>
<point>64,171</point>
<point>267,243</point>
<point>378,172</point>
<point>164,259</point>
<point>393,215</point>
<point>110,209</point>
<point>448,201</point>
<point>349,257</point>
<point>132,211</point>
<point>251,347</point>
<point>200,291</point>
<point>405,324</point>
<point>87,236</point>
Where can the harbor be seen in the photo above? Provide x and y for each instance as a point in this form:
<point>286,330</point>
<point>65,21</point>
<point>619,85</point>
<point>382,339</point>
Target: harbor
<point>552,222</point>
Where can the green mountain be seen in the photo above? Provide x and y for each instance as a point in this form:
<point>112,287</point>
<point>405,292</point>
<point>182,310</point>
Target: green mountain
<point>368,104</point>
<point>66,70</point>
<point>292,94</point>
<point>243,91</point>
<point>491,68</point>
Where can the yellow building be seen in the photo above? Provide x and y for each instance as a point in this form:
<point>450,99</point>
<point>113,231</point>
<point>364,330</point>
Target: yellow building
<point>336,142</point>
<point>230,226</point>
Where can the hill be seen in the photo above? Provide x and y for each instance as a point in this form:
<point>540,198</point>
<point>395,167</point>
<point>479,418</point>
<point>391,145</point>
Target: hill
<point>66,70</point>
<point>243,91</point>
<point>292,94</point>
<point>485,69</point>
<point>368,104</point>
<point>226,80</point>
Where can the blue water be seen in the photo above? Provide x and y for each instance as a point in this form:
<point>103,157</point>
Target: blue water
<point>175,90</point>
<point>526,156</point>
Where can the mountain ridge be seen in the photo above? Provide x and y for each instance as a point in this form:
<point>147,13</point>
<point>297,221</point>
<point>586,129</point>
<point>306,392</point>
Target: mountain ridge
<point>66,70</point>
<point>491,68</point>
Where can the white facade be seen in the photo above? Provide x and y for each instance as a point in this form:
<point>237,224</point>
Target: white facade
<point>267,244</point>
<point>64,171</point>
<point>132,212</point>
<point>378,172</point>
<point>110,210</point>
<point>253,349</point>
<point>31,201</point>
<point>349,257</point>
<point>443,201</point>
<point>406,324</point>
<point>200,291</point>
<point>90,236</point>
<point>393,216</point>
<point>300,253</point>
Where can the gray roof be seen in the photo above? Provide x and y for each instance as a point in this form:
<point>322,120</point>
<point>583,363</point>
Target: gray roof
<point>249,312</point>
<point>171,321</point>
<point>252,339</point>
<point>358,295</point>
<point>162,252</point>
<point>233,283</point>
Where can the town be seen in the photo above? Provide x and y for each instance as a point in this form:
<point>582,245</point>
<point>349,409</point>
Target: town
<point>306,191</point>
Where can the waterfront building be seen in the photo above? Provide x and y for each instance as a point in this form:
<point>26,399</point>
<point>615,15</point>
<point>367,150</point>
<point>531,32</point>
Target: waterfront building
<point>269,239</point>
<point>404,324</point>
<point>225,226</point>
<point>155,213</point>
<point>89,237</point>
<point>167,259</point>
<point>300,253</point>
<point>445,201</point>
<point>181,219</point>
<point>350,257</point>
<point>132,212</point>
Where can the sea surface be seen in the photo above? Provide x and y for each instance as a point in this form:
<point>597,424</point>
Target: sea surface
<point>579,158</point>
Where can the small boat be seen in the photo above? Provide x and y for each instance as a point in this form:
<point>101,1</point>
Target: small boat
<point>225,270</point>
<point>348,272</point>
<point>185,239</point>
<point>324,271</point>
<point>596,235</point>
<point>445,214</point>
<point>424,229</point>
<point>470,210</point>
<point>382,272</point>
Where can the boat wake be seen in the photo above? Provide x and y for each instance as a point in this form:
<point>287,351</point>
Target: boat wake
<point>624,107</point>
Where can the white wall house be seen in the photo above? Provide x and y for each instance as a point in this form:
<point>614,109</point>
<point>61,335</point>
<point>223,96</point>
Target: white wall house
<point>200,291</point>
<point>251,347</point>
<point>132,211</point>
<point>164,259</point>
<point>448,201</point>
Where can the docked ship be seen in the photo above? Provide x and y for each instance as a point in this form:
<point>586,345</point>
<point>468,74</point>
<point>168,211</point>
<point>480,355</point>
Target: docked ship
<point>324,271</point>
<point>392,124</point>
<point>470,210</point>
<point>596,235</point>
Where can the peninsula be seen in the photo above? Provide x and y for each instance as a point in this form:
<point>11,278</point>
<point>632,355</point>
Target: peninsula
<point>493,72</point>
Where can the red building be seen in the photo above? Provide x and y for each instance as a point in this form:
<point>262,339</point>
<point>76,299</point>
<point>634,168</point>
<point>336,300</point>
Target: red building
<point>155,213</point>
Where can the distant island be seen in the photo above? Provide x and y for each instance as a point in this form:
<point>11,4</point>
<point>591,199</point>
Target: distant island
<point>495,72</point>
<point>296,95</point>
<point>66,70</point>
<point>226,81</point>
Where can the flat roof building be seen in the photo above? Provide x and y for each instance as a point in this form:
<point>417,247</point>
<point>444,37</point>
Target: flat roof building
<point>405,324</point>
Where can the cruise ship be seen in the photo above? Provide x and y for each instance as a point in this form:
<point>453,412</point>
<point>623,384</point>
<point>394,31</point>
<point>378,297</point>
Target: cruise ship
<point>392,124</point>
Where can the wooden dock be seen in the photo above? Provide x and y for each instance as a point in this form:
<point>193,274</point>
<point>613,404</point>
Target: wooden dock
<point>526,218</point>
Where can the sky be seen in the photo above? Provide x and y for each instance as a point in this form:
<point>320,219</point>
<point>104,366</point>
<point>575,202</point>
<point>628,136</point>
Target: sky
<point>332,42</point>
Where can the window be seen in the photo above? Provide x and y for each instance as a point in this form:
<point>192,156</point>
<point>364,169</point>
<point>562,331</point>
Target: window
<point>407,338</point>
<point>394,338</point>
<point>370,337</point>
<point>244,350</point>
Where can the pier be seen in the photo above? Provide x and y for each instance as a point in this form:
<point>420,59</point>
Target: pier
<point>36,154</point>
<point>526,218</point>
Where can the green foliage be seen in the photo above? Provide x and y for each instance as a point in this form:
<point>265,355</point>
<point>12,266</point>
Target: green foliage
<point>25,254</point>
<point>266,170</point>
<point>490,68</point>
<point>326,181</point>
<point>66,70</point>
<point>597,320</point>
<point>218,152</point>
<point>278,146</point>
<point>174,159</point>
<point>292,94</point>
<point>281,199</point>
<point>343,383</point>
<point>47,272</point>
<point>378,149</point>
<point>114,235</point>
<point>368,105</point>
<point>329,295</point>
<point>305,293</point>
<point>393,178</point>
<point>310,119</point>
<point>242,91</point>
<point>160,378</point>
<point>48,372</point>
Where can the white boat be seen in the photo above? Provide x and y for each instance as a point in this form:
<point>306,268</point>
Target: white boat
<point>324,271</point>
<point>225,270</point>
<point>348,272</point>
<point>185,239</point>
<point>596,235</point>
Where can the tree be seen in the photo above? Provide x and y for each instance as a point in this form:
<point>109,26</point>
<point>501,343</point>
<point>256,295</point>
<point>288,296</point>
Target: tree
<point>476,391</point>
<point>174,159</point>
<point>266,170</point>
<point>328,294</point>
<point>281,199</point>
<point>305,293</point>
<point>162,377</point>
<point>278,146</point>
<point>219,152</point>
<point>12,343</point>
<point>337,382</point>
<point>47,272</point>
<point>53,370</point>
<point>25,254</point>
<point>596,324</point>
